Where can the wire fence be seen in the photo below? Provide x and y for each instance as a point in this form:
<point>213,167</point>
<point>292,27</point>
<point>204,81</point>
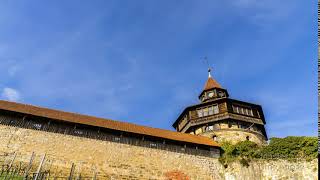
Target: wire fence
<point>14,166</point>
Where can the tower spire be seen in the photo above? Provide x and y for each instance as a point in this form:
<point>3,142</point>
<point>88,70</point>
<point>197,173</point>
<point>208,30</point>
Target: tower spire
<point>209,68</point>
<point>211,83</point>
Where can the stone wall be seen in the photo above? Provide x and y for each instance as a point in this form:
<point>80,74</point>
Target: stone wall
<point>121,161</point>
<point>234,136</point>
<point>107,158</point>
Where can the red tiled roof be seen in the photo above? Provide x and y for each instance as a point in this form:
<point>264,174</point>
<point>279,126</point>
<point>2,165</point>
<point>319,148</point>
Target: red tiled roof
<point>105,123</point>
<point>211,83</point>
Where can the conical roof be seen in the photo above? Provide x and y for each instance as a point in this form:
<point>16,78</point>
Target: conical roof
<point>211,83</point>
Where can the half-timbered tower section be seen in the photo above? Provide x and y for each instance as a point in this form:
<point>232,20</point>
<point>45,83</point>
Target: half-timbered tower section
<point>221,118</point>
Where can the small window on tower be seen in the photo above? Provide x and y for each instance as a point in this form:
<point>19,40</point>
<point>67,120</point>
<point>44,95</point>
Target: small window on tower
<point>221,94</point>
<point>210,128</point>
<point>214,137</point>
<point>241,111</point>
<point>200,113</point>
<point>215,109</point>
<point>237,109</point>
<point>250,112</point>
<point>246,111</point>
<point>207,128</point>
<point>210,110</point>
<point>205,111</point>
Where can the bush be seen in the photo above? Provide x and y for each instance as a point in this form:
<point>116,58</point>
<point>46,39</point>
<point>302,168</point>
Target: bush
<point>245,149</point>
<point>289,148</point>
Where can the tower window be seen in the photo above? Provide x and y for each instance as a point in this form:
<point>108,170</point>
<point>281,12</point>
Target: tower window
<point>215,109</point>
<point>207,111</point>
<point>215,138</point>
<point>235,109</point>
<point>246,111</point>
<point>242,110</point>
<point>200,114</point>
<point>250,112</point>
<point>210,110</point>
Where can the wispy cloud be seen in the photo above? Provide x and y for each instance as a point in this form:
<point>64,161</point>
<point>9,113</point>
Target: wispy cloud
<point>10,94</point>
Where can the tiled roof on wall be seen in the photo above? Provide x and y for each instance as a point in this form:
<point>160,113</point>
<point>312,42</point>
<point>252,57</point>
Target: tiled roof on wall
<point>104,123</point>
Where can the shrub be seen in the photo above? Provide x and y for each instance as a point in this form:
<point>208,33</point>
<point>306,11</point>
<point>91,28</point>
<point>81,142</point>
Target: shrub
<point>289,148</point>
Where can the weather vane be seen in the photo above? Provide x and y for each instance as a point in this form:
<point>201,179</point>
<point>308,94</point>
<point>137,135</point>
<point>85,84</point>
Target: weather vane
<point>207,62</point>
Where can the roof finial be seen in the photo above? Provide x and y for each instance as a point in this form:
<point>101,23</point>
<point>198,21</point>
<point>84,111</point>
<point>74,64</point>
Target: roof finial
<point>209,68</point>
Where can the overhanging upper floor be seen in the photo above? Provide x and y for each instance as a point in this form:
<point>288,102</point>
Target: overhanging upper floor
<point>219,109</point>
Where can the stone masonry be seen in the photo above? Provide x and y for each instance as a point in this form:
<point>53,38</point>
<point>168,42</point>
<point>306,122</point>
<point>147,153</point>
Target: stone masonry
<point>112,160</point>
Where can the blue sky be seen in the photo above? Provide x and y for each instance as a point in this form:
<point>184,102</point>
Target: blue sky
<point>140,61</point>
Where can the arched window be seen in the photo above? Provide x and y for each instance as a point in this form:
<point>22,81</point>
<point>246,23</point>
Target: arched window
<point>215,138</point>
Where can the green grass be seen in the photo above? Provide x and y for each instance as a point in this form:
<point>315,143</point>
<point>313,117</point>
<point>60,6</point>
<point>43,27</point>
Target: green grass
<point>16,177</point>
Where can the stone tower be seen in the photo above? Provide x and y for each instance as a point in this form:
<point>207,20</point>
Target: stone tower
<point>224,119</point>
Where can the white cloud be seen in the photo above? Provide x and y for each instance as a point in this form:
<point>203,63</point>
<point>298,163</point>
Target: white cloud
<point>11,94</point>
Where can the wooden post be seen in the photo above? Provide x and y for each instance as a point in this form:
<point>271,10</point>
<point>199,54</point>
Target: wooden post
<point>29,166</point>
<point>71,172</point>
<point>40,166</point>
<point>10,165</point>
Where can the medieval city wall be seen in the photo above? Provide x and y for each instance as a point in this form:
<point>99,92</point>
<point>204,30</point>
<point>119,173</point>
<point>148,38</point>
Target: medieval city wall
<point>108,159</point>
<point>112,160</point>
